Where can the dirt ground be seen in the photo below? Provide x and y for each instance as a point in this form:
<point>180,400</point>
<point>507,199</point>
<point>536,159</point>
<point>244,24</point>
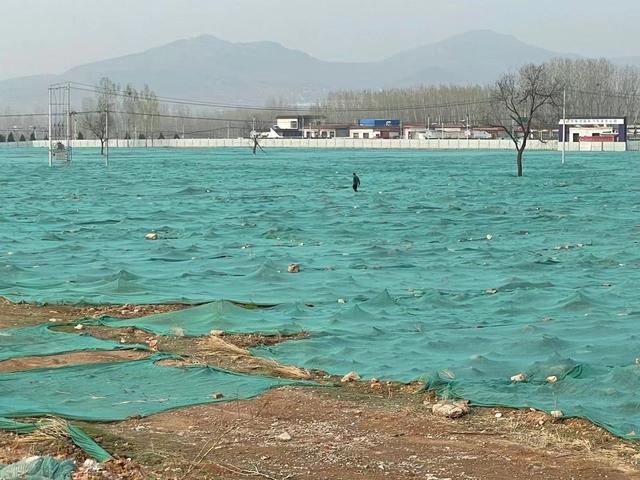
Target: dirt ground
<point>339,430</point>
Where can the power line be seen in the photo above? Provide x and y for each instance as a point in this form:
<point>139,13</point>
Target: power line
<point>606,93</point>
<point>163,115</point>
<point>16,115</point>
<point>180,101</point>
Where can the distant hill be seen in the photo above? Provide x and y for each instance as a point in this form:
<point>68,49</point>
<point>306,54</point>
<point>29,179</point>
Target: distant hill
<point>479,56</point>
<point>208,68</point>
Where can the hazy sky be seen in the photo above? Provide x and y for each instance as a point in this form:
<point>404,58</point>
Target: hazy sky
<point>50,36</point>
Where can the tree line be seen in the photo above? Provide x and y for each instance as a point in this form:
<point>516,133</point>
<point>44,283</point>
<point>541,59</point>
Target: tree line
<point>588,82</point>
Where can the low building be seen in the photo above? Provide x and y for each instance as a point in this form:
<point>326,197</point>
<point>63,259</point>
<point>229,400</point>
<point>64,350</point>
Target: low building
<point>375,132</point>
<point>293,126</point>
<point>416,132</point>
<point>327,131</point>
<point>578,130</point>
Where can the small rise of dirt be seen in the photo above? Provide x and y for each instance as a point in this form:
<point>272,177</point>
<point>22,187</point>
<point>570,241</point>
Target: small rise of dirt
<point>71,358</point>
<point>24,314</point>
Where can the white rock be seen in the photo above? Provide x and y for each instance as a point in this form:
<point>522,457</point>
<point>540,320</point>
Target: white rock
<point>350,377</point>
<point>521,377</point>
<point>342,301</point>
<point>489,236</point>
<point>177,332</point>
<point>499,415</point>
<point>552,379</point>
<point>79,327</point>
<point>450,409</point>
<point>284,437</point>
<point>151,236</point>
<point>91,465</point>
<point>293,268</point>
<point>216,333</point>
<point>556,413</point>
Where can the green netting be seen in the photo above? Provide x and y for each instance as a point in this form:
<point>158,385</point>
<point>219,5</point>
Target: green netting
<point>41,340</point>
<point>385,337</point>
<point>221,315</point>
<point>78,437</point>
<point>118,390</point>
<point>447,262</point>
<point>38,468</point>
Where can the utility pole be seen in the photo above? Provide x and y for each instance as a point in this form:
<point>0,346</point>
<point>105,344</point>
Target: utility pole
<point>564,120</point>
<point>50,158</point>
<point>68,153</point>
<point>106,113</point>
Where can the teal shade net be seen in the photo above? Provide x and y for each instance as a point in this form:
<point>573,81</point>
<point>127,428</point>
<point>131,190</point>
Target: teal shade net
<point>38,468</point>
<point>285,319</point>
<point>453,270</point>
<point>41,340</point>
<point>118,390</point>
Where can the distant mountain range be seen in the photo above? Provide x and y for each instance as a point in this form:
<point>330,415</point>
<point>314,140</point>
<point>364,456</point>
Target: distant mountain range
<point>211,69</point>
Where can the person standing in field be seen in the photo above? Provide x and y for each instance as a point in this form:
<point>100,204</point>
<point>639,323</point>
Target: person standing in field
<point>356,182</point>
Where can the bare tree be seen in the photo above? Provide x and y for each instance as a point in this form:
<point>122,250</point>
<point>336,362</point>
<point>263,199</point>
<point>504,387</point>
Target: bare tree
<point>99,115</point>
<point>519,100</point>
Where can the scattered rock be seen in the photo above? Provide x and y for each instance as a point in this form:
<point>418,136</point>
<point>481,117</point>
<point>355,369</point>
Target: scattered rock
<point>216,396</point>
<point>91,465</point>
<point>79,327</point>
<point>216,333</point>
<point>350,377</point>
<point>491,291</point>
<point>177,332</point>
<point>521,377</point>
<point>552,379</point>
<point>122,340</point>
<point>153,344</point>
<point>151,236</point>
<point>451,409</point>
<point>489,236</point>
<point>342,301</point>
<point>293,268</point>
<point>499,415</point>
<point>284,437</point>
<point>556,414</point>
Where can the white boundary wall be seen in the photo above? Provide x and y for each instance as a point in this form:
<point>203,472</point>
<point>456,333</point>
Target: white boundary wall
<point>596,146</point>
<point>353,143</point>
<point>348,143</point>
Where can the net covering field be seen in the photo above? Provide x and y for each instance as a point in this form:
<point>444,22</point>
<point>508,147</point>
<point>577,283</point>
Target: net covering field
<point>444,267</point>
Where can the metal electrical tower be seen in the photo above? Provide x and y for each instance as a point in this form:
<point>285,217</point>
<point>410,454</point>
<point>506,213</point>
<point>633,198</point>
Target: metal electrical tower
<point>60,122</point>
